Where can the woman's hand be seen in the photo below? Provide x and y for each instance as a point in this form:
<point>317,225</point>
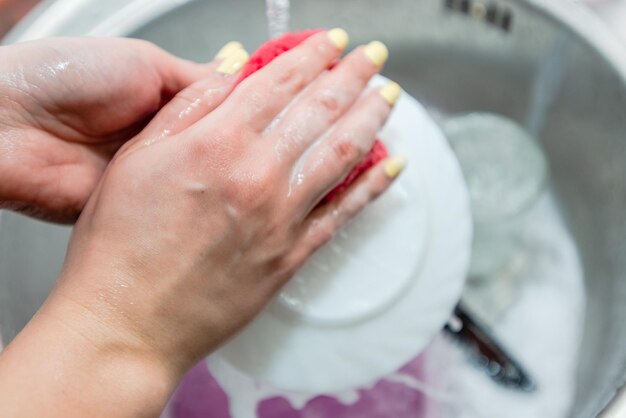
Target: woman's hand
<point>67,105</point>
<point>205,226</point>
<point>186,238</point>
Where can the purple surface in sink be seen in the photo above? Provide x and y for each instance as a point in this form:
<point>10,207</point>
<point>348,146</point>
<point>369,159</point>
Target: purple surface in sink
<point>200,396</point>
<point>386,399</point>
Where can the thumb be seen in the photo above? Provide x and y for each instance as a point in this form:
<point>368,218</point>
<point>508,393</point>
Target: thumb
<point>197,89</point>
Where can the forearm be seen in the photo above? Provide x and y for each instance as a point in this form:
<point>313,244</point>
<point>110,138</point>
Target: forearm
<point>55,368</point>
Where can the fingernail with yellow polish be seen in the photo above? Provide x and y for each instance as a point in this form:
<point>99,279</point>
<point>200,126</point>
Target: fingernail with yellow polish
<point>394,166</point>
<point>391,92</point>
<point>376,52</point>
<point>228,49</point>
<point>339,38</point>
<point>233,62</point>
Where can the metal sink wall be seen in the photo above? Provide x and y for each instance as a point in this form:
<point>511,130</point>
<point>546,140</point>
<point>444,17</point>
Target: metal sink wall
<point>554,70</point>
<point>455,62</point>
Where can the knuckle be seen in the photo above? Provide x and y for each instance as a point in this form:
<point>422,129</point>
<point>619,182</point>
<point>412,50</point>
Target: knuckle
<point>227,143</point>
<point>291,78</point>
<point>223,142</point>
<point>346,152</point>
<point>329,103</point>
<point>252,190</point>
<point>325,233</point>
<point>247,198</point>
<point>358,203</point>
<point>229,133</point>
<point>292,261</point>
<point>265,178</point>
<point>253,197</point>
<point>378,187</point>
<point>358,206</point>
<point>198,150</point>
<point>279,239</point>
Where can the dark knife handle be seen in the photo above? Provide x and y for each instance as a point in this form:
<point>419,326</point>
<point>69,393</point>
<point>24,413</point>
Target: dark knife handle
<point>500,365</point>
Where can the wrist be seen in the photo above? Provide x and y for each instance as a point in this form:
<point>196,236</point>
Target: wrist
<point>82,368</point>
<point>125,361</point>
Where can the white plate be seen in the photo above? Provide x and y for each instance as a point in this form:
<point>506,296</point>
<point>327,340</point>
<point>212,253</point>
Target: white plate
<point>361,310</point>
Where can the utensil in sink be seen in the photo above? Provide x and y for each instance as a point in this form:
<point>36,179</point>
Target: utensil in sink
<point>487,352</point>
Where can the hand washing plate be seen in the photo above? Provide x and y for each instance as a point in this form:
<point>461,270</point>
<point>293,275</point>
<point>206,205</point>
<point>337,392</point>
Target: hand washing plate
<point>370,301</point>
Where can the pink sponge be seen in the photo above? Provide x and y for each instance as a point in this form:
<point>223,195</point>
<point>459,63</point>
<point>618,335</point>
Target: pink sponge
<point>273,48</point>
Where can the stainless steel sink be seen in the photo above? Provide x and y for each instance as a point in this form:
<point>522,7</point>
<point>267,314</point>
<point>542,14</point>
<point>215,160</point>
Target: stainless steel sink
<point>552,67</point>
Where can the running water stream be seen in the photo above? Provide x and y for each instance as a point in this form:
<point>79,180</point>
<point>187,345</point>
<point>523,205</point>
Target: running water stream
<point>277,12</point>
